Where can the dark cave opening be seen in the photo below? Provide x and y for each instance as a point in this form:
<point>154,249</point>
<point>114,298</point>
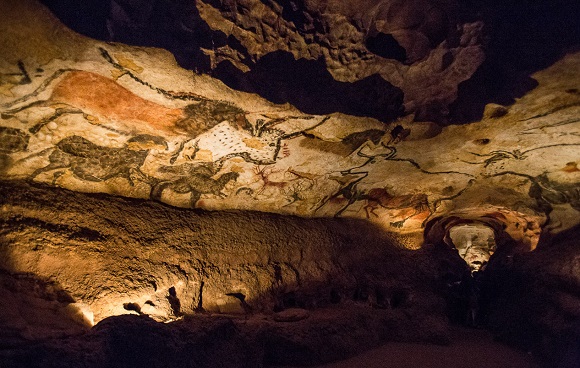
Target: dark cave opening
<point>308,85</point>
<point>523,38</point>
<point>386,46</point>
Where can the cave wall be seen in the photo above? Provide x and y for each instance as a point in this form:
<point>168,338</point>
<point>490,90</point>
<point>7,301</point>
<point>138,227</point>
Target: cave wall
<point>111,156</point>
<point>70,260</point>
<point>409,55</point>
<point>110,118</point>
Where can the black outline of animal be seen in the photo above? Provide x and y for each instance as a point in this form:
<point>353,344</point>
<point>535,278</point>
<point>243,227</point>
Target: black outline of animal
<point>80,155</point>
<point>193,179</point>
<point>381,198</point>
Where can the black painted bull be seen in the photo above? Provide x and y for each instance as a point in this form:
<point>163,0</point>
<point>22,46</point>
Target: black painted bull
<point>91,162</point>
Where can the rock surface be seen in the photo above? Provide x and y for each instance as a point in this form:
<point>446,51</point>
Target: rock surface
<point>290,284</point>
<point>111,156</point>
<point>309,53</point>
<point>109,118</point>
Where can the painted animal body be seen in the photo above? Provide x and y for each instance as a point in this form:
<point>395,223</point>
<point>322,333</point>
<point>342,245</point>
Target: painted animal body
<point>193,179</point>
<point>105,102</point>
<point>218,128</point>
<point>92,162</point>
<point>224,141</point>
<point>381,198</point>
<point>105,98</point>
<point>264,174</point>
<point>13,140</point>
<point>549,192</point>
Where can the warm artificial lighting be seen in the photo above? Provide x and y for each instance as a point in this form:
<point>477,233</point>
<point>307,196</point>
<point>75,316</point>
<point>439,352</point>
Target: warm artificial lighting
<point>81,313</point>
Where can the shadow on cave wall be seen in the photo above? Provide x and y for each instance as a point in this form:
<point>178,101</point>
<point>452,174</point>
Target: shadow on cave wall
<point>523,37</point>
<point>34,308</point>
<point>367,289</point>
<point>533,300</point>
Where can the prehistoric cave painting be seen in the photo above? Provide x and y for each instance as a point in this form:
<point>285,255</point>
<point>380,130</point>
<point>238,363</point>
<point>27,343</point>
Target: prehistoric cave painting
<point>552,111</point>
<point>501,155</point>
<point>264,173</point>
<point>214,129</point>
<point>380,198</point>
<point>96,96</point>
<point>206,114</point>
<point>11,140</point>
<point>224,141</point>
<point>377,198</point>
<point>104,102</point>
<point>546,191</point>
<point>541,129</point>
<point>195,179</point>
<point>10,80</point>
<point>497,156</point>
<point>346,145</point>
<point>91,162</point>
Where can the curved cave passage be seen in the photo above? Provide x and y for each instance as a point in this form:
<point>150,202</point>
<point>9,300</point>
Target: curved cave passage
<point>482,249</point>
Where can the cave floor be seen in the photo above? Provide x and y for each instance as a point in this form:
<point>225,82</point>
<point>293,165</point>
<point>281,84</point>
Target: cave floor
<point>470,348</point>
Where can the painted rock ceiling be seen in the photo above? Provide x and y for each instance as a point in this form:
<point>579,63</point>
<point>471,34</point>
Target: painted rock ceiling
<point>92,116</point>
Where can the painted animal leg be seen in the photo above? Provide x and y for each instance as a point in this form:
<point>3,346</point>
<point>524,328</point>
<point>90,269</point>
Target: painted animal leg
<point>49,167</point>
<point>136,174</point>
<point>157,190</point>
<point>58,113</point>
<point>194,197</point>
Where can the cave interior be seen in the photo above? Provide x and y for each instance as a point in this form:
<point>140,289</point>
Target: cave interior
<point>284,183</point>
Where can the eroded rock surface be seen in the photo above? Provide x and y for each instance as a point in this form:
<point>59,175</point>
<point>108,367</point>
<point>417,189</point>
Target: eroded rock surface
<point>321,56</point>
<point>108,256</point>
<point>100,142</point>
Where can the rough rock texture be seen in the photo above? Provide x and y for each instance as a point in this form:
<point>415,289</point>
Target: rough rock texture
<point>534,300</point>
<point>304,52</point>
<point>98,117</point>
<point>106,256</point>
<point>378,199</point>
<point>259,259</point>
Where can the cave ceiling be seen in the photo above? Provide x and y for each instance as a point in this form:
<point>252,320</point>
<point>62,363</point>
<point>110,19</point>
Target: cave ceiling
<point>353,117</point>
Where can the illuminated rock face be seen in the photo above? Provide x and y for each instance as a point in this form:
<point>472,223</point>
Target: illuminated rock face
<point>474,243</point>
<point>332,55</point>
<point>70,259</point>
<point>107,118</point>
<point>85,116</point>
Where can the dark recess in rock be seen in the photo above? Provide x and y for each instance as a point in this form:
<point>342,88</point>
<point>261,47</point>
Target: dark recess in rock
<point>523,37</point>
<point>308,85</point>
<point>386,46</point>
<point>278,77</point>
<point>532,300</point>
